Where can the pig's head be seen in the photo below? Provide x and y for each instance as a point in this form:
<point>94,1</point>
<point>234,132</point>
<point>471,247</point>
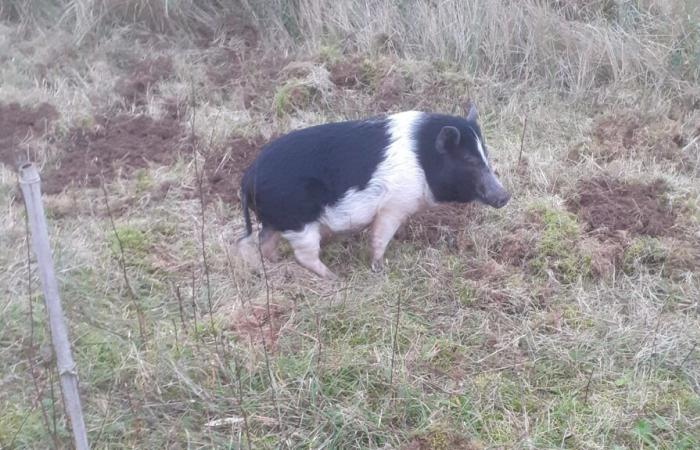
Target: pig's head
<point>459,169</point>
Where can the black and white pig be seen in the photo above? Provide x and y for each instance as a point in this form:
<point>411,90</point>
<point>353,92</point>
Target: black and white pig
<point>346,176</point>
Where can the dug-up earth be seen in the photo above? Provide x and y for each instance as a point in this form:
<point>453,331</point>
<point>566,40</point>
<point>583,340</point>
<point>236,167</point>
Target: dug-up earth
<point>568,319</point>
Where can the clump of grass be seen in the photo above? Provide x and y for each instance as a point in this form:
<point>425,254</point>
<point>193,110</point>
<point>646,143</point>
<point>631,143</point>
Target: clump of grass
<point>644,252</point>
<point>293,95</point>
<point>134,241</point>
<point>557,249</point>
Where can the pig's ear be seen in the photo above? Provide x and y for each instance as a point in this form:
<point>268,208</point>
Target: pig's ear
<point>447,140</point>
<point>472,113</point>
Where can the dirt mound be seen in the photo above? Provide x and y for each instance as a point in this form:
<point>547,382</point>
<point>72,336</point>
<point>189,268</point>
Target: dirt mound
<point>444,224</point>
<point>143,75</point>
<point>350,73</point>
<point>615,205</point>
<point>224,168</point>
<point>119,144</point>
<point>629,134</point>
<point>252,323</point>
<point>17,124</point>
<point>516,248</point>
<point>257,77</point>
<point>379,77</point>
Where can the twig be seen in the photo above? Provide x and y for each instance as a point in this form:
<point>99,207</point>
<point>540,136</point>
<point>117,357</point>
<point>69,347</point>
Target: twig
<point>273,393</point>
<point>588,386</point>
<point>19,428</point>
<point>177,340</point>
<point>692,349</point>
<point>106,414</point>
<point>394,346</point>
<point>53,400</point>
<point>320,344</point>
<point>122,264</point>
<point>178,295</point>
<point>522,143</point>
<point>137,419</point>
<point>194,311</point>
<point>200,180</point>
<point>237,368</point>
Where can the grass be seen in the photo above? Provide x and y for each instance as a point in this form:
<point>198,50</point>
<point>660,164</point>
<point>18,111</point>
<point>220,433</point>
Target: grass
<point>519,328</point>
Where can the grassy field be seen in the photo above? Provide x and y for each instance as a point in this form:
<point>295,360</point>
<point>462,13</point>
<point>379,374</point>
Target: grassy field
<point>568,319</point>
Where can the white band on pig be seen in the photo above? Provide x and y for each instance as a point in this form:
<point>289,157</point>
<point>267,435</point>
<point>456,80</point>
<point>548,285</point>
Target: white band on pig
<point>480,147</point>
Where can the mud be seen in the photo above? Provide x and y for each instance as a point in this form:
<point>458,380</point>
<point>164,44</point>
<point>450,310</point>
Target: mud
<point>118,145</point>
<point>610,204</point>
<point>224,167</point>
<point>19,124</point>
<point>143,77</point>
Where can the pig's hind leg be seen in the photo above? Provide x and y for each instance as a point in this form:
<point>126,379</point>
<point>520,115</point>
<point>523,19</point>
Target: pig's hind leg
<point>307,249</point>
<point>269,240</point>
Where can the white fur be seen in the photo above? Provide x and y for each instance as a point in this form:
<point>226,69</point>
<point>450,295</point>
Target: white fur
<point>397,187</point>
<point>481,149</point>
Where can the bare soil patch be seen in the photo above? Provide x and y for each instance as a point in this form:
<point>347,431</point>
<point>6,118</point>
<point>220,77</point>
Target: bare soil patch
<point>257,75</point>
<point>143,76</point>
<point>444,224</point>
<point>516,247</point>
<point>606,250</point>
<point>119,144</point>
<point>20,123</point>
<point>224,168</point>
<point>389,92</point>
<point>349,73</point>
<point>607,203</point>
<point>252,323</point>
<point>630,134</point>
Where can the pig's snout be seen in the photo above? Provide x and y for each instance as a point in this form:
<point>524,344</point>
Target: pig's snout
<point>493,193</point>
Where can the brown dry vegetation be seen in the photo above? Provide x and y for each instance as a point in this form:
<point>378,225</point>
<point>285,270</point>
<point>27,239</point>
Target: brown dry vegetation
<point>568,319</point>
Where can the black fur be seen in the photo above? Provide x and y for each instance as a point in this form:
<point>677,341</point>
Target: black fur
<point>300,173</point>
<point>453,172</point>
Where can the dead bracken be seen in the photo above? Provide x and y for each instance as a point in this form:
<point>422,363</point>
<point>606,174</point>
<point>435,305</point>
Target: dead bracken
<point>612,204</point>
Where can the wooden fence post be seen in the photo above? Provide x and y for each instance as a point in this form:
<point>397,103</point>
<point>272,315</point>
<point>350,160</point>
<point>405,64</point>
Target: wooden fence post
<point>30,184</point>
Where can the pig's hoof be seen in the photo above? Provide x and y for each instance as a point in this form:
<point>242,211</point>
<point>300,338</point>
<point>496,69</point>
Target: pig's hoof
<point>330,276</point>
<point>377,266</point>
